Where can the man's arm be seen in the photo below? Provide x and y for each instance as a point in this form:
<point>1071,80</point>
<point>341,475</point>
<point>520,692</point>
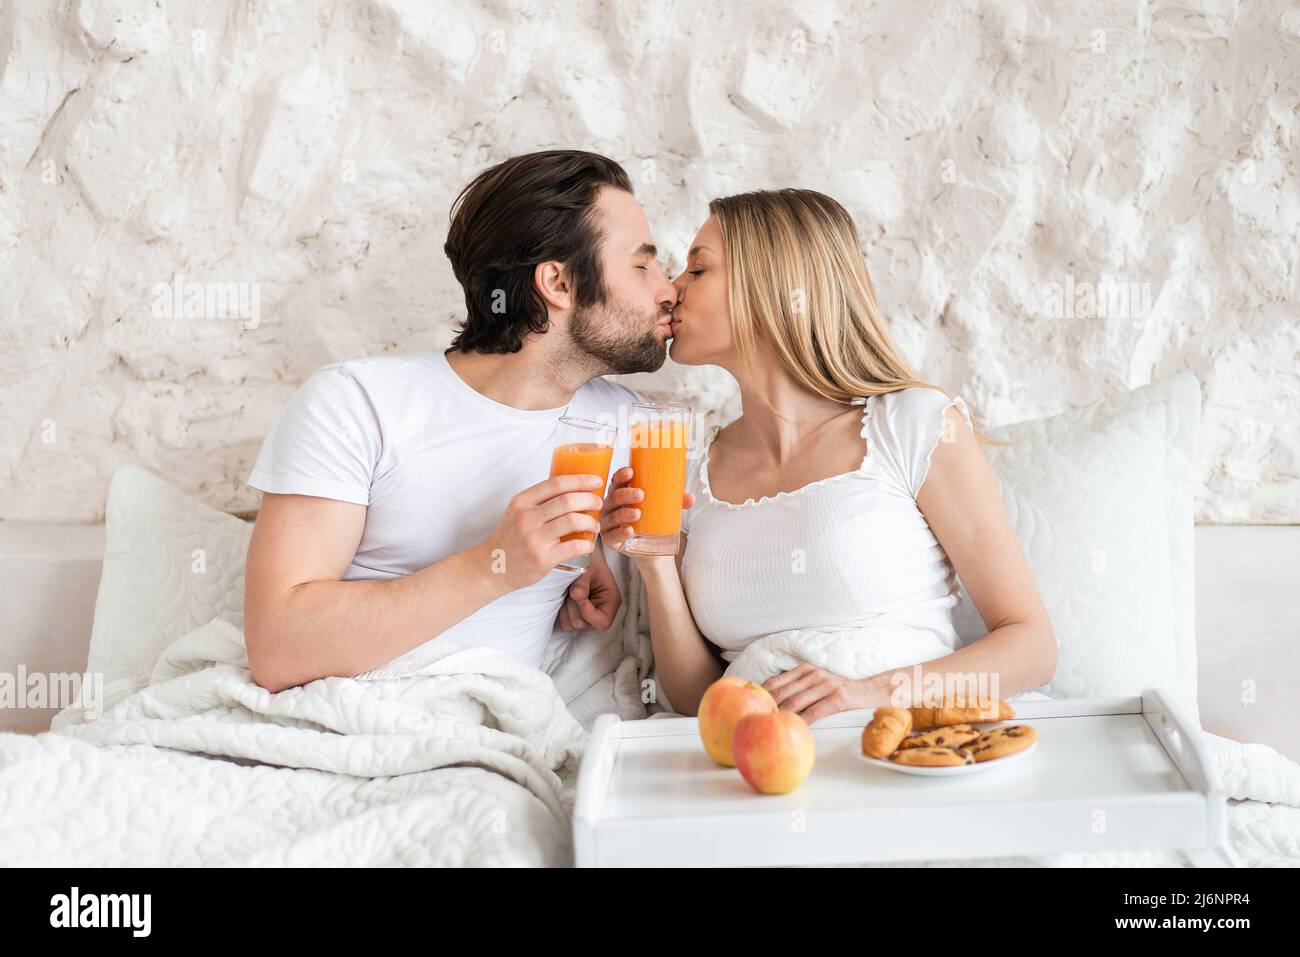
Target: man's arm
<point>301,622</point>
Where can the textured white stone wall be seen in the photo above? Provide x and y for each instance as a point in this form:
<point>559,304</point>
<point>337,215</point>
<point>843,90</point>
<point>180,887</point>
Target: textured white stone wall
<point>309,152</point>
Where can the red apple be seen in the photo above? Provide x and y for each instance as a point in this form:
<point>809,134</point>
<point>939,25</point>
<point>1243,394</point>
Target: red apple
<point>774,751</point>
<point>725,702</point>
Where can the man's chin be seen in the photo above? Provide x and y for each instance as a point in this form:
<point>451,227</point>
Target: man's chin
<point>646,364</point>
<point>646,353</point>
<point>648,357</point>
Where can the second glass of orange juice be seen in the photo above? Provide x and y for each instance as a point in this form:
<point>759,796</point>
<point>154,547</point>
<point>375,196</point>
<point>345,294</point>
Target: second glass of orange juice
<point>658,436</point>
<point>583,447</point>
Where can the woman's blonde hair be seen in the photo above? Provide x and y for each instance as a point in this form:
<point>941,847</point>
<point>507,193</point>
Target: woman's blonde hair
<point>798,283</point>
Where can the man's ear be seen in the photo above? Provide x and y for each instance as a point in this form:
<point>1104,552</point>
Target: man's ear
<point>552,283</point>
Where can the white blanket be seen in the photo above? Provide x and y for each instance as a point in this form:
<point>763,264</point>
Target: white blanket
<point>467,757</point>
<point>469,760</point>
<point>1261,785</point>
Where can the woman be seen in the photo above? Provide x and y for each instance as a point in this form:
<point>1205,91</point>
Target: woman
<point>847,493</point>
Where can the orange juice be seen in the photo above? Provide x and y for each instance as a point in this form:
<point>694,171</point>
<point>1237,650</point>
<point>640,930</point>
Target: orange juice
<point>583,458</point>
<point>658,460</point>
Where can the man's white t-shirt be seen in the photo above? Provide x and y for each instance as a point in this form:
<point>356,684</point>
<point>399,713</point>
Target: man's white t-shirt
<point>436,463</point>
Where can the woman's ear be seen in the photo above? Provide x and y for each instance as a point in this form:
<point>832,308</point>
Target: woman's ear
<point>553,284</point>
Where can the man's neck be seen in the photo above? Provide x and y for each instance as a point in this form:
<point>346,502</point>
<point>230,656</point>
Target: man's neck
<point>529,379</point>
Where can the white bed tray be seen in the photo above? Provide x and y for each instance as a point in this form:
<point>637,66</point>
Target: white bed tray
<point>1108,774</point>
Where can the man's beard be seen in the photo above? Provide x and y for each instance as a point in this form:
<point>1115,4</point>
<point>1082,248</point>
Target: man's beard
<point>600,330</point>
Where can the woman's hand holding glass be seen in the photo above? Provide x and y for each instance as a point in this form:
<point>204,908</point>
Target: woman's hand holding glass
<point>621,510</point>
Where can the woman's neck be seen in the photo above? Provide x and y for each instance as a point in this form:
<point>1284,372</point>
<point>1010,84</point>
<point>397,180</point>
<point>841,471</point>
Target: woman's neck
<point>778,414</point>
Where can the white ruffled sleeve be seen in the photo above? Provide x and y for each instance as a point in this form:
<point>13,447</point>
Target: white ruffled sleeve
<point>903,429</point>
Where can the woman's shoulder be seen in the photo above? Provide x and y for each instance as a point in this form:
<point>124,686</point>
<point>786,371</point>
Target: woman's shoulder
<point>906,426</point>
<point>914,400</point>
<point>915,409</point>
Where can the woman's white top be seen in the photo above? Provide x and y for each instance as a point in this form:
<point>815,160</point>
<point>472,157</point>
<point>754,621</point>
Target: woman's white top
<point>852,551</point>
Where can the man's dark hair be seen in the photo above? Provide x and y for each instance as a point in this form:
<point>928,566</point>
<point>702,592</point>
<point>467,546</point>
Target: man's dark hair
<point>527,210</point>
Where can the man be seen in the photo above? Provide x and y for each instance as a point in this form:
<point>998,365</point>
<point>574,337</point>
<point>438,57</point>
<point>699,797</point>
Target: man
<point>405,498</point>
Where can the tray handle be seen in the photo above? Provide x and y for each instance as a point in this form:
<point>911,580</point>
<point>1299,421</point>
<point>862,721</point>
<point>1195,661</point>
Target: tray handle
<point>593,780</point>
<point>1186,747</point>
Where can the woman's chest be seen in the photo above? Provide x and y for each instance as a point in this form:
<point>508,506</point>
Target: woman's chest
<point>821,556</point>
<point>737,475</point>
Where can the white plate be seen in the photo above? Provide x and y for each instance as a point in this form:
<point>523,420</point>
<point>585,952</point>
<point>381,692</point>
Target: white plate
<point>951,771</point>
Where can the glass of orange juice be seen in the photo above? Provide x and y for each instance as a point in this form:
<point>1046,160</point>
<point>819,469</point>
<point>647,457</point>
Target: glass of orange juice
<point>658,436</point>
<point>583,447</point>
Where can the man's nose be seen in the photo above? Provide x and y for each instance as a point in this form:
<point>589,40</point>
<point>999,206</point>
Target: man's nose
<point>668,292</point>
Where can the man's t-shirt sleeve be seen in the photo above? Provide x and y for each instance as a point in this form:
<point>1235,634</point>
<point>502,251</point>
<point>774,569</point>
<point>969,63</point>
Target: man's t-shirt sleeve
<point>325,442</point>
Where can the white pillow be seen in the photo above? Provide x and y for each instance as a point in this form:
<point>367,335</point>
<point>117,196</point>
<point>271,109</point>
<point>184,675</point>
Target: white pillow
<point>1101,499</point>
<point>171,564</point>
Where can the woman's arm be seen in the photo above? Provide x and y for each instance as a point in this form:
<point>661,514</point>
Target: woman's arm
<point>999,653</point>
<point>686,663</point>
<point>961,502</point>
